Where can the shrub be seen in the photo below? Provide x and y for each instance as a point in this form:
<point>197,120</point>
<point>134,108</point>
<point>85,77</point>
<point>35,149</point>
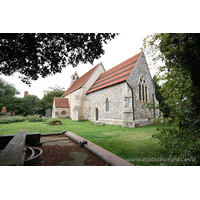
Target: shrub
<point>54,121</point>
<point>32,118</point>
<point>7,120</point>
<point>35,118</point>
<point>2,113</point>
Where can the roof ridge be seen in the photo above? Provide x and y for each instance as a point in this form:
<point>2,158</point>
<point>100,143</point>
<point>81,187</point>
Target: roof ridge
<point>80,81</point>
<point>122,62</point>
<point>92,72</point>
<point>116,74</point>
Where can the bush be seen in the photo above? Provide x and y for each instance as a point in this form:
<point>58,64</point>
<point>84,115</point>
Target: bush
<point>7,120</point>
<point>54,121</point>
<point>32,118</point>
<point>2,114</point>
<point>35,118</point>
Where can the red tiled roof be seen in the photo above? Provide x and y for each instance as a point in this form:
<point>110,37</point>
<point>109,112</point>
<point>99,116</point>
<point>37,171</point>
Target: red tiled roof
<point>79,82</point>
<point>116,74</point>
<point>61,102</point>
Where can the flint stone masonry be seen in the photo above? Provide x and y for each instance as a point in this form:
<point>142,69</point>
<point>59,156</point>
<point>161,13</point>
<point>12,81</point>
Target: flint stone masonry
<point>75,103</point>
<point>59,112</point>
<point>125,107</point>
<point>115,97</point>
<point>141,113</point>
<point>120,100</point>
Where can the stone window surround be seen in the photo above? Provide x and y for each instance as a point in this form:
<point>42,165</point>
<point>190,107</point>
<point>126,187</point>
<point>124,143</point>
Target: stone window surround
<point>95,111</point>
<point>63,112</point>
<point>146,93</point>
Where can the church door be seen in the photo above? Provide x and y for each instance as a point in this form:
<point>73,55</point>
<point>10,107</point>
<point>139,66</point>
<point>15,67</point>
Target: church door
<point>97,114</point>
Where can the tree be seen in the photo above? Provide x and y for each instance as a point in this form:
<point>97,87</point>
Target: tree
<point>180,132</point>
<point>7,89</point>
<point>52,92</point>
<point>47,100</point>
<point>7,96</point>
<point>40,54</point>
<point>30,105</point>
<point>164,108</point>
<point>12,104</point>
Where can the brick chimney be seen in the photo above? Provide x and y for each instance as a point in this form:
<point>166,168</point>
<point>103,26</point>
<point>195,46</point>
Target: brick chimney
<point>3,109</point>
<point>25,93</point>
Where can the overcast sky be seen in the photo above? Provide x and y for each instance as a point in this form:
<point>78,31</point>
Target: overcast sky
<point>117,50</point>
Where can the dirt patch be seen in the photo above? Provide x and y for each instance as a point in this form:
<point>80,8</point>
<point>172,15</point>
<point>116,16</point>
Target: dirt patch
<point>59,150</point>
<point>107,133</point>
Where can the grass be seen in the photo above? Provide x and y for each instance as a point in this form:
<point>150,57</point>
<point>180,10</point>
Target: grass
<point>127,143</point>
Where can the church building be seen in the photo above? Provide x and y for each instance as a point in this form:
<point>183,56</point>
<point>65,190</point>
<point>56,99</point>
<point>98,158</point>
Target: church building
<point>116,96</point>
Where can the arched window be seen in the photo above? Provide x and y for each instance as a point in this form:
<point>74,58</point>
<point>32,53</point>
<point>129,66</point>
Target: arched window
<point>107,104</point>
<point>143,89</point>
<point>63,113</point>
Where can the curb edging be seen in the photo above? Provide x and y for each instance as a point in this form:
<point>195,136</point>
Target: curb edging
<point>108,161</point>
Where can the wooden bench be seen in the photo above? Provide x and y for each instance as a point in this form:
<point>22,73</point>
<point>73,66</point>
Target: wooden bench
<point>12,154</point>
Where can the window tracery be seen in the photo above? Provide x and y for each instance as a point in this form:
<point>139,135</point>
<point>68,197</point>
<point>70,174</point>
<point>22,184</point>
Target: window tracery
<point>63,113</point>
<point>143,89</point>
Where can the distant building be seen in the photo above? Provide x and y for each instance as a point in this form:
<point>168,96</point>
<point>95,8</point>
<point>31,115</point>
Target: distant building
<point>3,109</point>
<point>26,93</point>
<point>60,108</point>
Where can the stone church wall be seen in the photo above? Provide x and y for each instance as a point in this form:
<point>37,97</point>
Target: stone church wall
<point>79,104</point>
<point>97,99</point>
<point>61,113</point>
<point>120,100</point>
<point>141,113</point>
<point>84,108</point>
<point>74,103</point>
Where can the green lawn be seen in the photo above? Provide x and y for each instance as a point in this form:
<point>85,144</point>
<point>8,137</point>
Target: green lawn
<point>127,143</point>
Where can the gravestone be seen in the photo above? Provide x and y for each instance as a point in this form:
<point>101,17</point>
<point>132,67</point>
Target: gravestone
<point>48,112</point>
<point>11,113</point>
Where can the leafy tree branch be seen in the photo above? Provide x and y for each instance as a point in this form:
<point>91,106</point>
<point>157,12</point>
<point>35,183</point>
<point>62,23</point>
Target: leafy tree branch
<point>44,54</point>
